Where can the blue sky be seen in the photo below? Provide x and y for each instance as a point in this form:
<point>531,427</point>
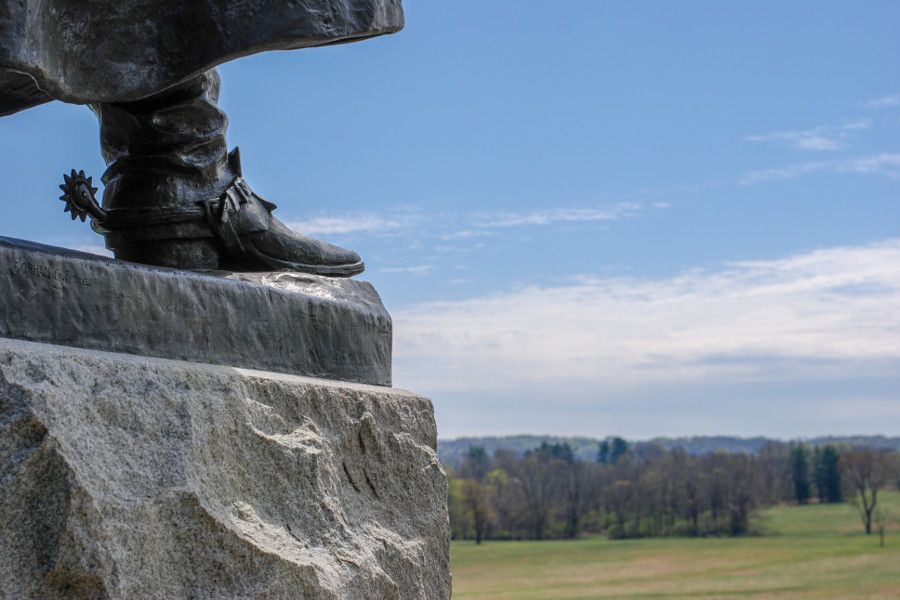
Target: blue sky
<point>641,218</point>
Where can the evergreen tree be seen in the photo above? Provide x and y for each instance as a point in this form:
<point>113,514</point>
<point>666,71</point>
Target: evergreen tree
<point>827,474</point>
<point>618,448</point>
<point>603,453</point>
<point>818,474</point>
<point>476,464</point>
<point>798,464</point>
<point>611,450</point>
<point>546,452</point>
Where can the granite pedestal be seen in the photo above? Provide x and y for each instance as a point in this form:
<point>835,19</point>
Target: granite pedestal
<point>126,474</point>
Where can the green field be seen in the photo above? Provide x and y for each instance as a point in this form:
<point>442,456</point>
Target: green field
<point>816,551</point>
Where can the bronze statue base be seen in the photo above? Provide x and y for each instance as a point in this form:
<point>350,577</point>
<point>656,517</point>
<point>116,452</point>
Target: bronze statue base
<point>296,323</point>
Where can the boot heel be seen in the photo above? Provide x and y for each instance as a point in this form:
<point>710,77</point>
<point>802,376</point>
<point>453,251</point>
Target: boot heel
<point>194,254</point>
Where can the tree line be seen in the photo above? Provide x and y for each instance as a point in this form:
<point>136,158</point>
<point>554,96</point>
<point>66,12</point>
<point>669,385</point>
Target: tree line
<point>643,491</point>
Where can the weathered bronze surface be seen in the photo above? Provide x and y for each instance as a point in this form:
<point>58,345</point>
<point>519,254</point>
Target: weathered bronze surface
<point>174,194</point>
<point>285,322</point>
<point>92,51</point>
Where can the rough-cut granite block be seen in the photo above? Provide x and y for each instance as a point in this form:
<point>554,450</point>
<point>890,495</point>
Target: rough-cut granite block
<point>129,478</point>
<point>285,322</point>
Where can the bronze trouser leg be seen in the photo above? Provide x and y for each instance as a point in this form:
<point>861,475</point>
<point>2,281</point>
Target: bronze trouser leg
<point>166,154</point>
<point>173,197</point>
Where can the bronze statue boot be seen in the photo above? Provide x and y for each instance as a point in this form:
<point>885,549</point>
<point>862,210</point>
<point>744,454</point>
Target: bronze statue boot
<point>175,197</point>
<point>251,236</point>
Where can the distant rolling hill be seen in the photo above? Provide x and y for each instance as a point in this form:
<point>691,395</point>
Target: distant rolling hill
<point>452,451</point>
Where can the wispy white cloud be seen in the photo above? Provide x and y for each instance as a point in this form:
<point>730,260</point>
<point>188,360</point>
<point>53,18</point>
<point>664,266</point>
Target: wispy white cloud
<point>885,163</point>
<point>464,234</point>
<point>779,173</point>
<point>826,312</point>
<point>823,138</point>
<point>803,140</point>
<point>883,102</point>
<point>413,270</point>
<point>447,225</point>
<point>559,215</point>
<point>347,223</point>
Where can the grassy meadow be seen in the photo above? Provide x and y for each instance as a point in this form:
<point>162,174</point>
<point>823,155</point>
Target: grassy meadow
<point>814,551</point>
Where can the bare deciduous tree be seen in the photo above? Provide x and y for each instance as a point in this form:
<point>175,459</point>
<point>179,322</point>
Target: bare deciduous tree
<point>866,472</point>
<point>477,500</point>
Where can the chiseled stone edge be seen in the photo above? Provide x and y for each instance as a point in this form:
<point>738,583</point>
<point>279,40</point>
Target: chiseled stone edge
<point>70,409</point>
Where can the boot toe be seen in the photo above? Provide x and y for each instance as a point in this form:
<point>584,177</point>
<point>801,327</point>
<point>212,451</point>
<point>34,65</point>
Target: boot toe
<point>283,248</point>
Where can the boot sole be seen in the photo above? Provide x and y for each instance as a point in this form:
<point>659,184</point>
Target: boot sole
<point>345,270</point>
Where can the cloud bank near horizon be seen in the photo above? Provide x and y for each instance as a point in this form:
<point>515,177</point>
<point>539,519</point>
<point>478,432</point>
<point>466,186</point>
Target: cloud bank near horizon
<point>828,313</point>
